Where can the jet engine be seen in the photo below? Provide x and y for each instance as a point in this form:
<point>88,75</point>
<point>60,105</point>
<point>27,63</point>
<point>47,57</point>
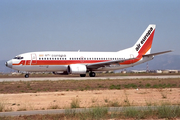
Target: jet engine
<point>76,69</point>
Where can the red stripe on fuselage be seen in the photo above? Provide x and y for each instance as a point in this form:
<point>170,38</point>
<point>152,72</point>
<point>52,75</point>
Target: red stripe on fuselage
<point>58,62</point>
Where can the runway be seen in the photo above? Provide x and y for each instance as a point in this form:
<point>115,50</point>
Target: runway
<point>88,78</point>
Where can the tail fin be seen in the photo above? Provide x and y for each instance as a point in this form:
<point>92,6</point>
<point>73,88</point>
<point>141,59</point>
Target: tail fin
<point>143,45</point>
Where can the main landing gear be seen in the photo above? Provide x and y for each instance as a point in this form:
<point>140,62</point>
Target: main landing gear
<point>82,75</point>
<point>26,75</point>
<point>92,74</point>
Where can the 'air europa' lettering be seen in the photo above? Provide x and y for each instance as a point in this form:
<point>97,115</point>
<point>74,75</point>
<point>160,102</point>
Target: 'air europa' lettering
<point>144,39</point>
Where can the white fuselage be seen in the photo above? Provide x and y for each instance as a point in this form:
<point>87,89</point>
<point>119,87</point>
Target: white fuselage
<point>58,61</point>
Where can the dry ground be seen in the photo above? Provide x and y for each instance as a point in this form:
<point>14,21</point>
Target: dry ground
<point>55,100</point>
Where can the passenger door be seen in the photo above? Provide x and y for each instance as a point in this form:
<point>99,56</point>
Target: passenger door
<point>33,59</point>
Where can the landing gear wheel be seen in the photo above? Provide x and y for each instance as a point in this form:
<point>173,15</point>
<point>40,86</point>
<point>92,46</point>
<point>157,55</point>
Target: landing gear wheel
<point>26,75</point>
<point>83,75</point>
<point>92,74</point>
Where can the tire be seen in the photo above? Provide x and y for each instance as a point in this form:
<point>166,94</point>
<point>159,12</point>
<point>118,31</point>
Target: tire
<point>92,74</point>
<point>26,75</point>
<point>82,75</point>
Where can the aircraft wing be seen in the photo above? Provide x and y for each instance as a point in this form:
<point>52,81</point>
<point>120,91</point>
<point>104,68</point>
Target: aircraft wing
<point>158,53</point>
<point>103,64</point>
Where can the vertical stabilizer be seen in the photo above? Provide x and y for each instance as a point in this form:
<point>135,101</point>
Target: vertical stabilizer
<point>144,43</point>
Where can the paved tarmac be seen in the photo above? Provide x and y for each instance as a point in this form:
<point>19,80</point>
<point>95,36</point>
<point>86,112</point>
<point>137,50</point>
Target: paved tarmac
<point>80,110</point>
<point>70,111</point>
<point>88,78</point>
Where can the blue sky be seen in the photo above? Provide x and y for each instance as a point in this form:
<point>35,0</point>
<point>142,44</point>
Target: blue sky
<point>86,25</point>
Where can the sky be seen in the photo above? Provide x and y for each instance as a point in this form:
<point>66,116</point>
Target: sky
<point>86,25</point>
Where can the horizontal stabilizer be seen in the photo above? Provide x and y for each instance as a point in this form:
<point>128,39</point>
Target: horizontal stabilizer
<point>158,53</point>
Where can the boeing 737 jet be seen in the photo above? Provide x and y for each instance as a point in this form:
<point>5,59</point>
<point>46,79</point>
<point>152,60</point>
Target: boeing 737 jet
<point>60,62</point>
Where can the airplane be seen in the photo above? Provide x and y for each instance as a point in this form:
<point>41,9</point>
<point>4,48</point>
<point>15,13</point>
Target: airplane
<point>77,62</point>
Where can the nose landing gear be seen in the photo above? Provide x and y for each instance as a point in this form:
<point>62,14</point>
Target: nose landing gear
<point>26,75</point>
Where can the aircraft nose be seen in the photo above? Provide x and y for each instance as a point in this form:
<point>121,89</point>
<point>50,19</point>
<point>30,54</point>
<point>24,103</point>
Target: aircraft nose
<point>9,64</point>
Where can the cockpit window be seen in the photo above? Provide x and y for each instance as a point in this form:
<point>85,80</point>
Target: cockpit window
<point>18,57</point>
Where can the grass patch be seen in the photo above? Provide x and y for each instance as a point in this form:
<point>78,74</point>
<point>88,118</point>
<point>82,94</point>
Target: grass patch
<point>75,103</point>
<point>94,100</point>
<point>126,101</point>
<point>168,111</point>
<point>100,113</point>
<point>130,86</point>
<point>115,87</point>
<point>131,113</point>
<point>106,100</point>
<point>113,103</point>
<point>2,106</point>
<point>54,106</point>
<point>148,85</point>
<point>164,95</point>
<point>92,114</point>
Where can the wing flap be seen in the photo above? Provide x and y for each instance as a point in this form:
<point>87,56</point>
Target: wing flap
<point>103,64</point>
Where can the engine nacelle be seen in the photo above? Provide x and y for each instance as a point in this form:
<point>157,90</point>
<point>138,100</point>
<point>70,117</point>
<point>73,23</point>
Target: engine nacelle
<point>76,69</point>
